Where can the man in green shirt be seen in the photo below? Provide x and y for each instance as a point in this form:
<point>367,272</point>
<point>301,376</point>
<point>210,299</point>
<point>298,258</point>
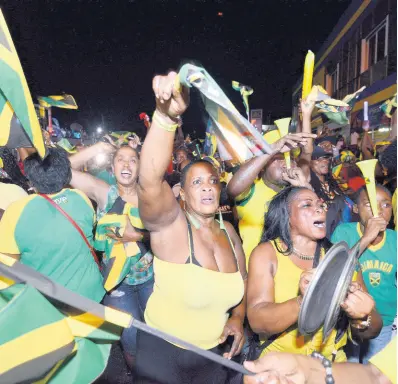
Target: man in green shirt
<point>37,234</point>
<point>378,262</point>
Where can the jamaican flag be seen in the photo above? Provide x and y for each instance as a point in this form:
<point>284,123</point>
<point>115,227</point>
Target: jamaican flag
<point>61,337</point>
<point>245,92</point>
<point>42,350</point>
<point>120,257</point>
<point>19,125</point>
<point>235,135</point>
<point>63,101</point>
<point>122,136</point>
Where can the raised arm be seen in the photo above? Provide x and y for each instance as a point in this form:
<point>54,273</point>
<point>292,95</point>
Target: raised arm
<point>266,316</point>
<point>247,173</point>
<point>157,204</point>
<point>245,176</point>
<point>79,159</point>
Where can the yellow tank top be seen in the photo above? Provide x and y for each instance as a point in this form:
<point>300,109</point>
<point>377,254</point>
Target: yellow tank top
<point>287,279</point>
<point>251,209</point>
<point>191,302</point>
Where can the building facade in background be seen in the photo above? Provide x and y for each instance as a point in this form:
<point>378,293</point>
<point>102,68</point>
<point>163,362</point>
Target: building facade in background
<point>360,51</point>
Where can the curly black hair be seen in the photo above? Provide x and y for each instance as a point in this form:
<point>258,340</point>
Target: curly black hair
<point>12,169</point>
<point>50,175</point>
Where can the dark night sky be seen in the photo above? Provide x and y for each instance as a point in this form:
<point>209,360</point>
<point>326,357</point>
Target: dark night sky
<point>105,53</point>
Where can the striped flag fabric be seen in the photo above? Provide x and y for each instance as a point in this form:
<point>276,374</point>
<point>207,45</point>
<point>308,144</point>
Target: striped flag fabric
<point>62,338</point>
<point>19,125</point>
<point>245,92</point>
<point>235,133</point>
<point>61,101</point>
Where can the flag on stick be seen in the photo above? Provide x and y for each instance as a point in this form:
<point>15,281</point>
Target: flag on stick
<point>235,133</point>
<point>19,125</point>
<point>62,101</point>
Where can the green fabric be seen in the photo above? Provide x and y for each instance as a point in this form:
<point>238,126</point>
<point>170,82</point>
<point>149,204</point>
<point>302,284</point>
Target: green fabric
<point>104,175</point>
<point>379,269</point>
<point>55,248</point>
<point>33,304</point>
<point>138,267</point>
<point>84,365</point>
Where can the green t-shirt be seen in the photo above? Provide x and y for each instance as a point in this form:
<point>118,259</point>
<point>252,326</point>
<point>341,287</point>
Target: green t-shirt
<point>47,242</point>
<point>104,175</point>
<point>379,267</point>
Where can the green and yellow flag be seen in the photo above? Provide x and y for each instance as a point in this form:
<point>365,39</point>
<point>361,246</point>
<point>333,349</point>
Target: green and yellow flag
<point>19,126</point>
<point>237,139</point>
<point>63,101</point>
<point>245,92</point>
<point>62,337</point>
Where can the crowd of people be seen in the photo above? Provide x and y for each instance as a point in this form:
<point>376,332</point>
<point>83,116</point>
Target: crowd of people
<point>215,253</point>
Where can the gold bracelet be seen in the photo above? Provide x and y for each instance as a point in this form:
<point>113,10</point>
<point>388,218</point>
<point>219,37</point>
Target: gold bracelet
<point>160,121</point>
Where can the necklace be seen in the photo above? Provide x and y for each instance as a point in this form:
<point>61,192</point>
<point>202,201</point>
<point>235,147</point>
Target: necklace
<point>302,256</point>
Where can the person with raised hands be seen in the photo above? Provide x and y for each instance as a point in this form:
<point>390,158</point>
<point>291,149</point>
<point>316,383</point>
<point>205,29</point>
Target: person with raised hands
<point>200,272</point>
<point>258,180</point>
<point>120,234</point>
<point>378,264</point>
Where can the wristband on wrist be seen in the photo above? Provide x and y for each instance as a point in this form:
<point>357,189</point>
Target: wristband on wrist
<point>362,324</point>
<point>326,364</point>
<point>157,117</point>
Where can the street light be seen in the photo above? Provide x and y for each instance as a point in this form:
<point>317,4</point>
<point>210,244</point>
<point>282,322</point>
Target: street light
<point>99,129</point>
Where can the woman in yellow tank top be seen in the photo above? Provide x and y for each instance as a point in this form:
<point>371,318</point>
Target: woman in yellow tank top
<point>199,265</point>
<point>280,270</point>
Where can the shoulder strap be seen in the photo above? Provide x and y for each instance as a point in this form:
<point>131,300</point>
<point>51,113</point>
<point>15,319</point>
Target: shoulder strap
<point>59,209</point>
<point>190,242</point>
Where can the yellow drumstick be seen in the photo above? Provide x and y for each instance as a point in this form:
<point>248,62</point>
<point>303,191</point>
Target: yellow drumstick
<point>308,74</point>
<point>283,127</point>
<point>367,168</point>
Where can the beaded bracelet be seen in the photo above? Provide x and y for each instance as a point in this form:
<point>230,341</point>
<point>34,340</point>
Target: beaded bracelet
<point>327,365</point>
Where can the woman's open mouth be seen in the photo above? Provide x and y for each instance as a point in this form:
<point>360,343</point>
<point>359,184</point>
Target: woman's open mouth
<point>319,224</point>
<point>207,200</point>
<point>126,173</point>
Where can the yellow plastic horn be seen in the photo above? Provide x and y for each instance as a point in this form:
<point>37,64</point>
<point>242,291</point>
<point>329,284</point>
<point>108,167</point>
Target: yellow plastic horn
<point>367,168</point>
<point>308,74</point>
<point>283,127</point>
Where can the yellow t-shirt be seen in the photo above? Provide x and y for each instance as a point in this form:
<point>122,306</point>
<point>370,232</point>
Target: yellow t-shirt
<point>386,360</point>
<point>287,279</point>
<point>251,208</point>
<point>10,193</point>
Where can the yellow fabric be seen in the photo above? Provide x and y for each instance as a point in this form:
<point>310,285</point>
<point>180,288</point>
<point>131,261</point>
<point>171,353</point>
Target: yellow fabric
<point>386,360</point>
<point>251,210</point>
<point>10,193</point>
<point>191,302</point>
<point>43,340</point>
<point>394,208</point>
<point>8,224</point>
<point>287,279</point>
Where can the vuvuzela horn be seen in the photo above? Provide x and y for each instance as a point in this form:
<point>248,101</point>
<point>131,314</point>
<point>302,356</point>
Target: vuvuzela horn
<point>308,74</point>
<point>283,127</point>
<point>367,168</point>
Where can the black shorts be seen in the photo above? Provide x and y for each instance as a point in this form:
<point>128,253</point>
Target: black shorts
<point>159,362</point>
